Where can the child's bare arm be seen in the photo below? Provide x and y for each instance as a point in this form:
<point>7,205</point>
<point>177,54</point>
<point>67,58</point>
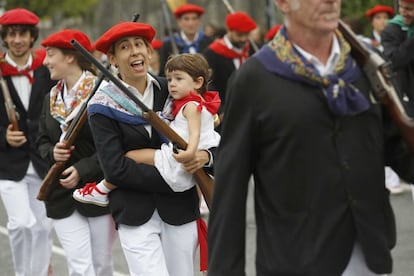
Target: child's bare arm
<point>143,156</point>
<point>193,117</point>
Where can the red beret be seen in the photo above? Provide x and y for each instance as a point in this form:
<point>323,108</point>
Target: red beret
<point>62,39</point>
<point>380,8</point>
<point>156,43</point>
<point>19,16</point>
<point>187,8</point>
<point>240,21</point>
<point>272,32</point>
<point>124,29</point>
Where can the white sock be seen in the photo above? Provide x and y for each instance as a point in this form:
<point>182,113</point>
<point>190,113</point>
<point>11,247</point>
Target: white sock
<point>101,187</point>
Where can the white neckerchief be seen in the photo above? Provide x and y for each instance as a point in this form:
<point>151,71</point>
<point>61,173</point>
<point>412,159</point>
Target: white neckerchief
<point>330,65</point>
<point>147,97</point>
<point>22,83</point>
<point>191,50</point>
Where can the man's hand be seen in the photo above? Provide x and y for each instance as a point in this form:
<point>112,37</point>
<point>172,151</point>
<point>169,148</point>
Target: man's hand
<point>15,138</point>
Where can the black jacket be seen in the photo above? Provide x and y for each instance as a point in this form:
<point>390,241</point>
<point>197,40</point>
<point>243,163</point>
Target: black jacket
<point>15,161</point>
<point>398,49</point>
<point>60,203</point>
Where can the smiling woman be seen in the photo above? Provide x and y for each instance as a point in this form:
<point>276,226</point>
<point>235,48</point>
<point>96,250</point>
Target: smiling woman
<point>85,232</point>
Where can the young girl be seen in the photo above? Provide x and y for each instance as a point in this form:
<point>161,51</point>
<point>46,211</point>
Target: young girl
<point>194,110</point>
<point>86,233</point>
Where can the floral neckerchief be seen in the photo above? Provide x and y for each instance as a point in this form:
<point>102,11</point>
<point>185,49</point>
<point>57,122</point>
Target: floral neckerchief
<point>282,58</point>
<point>58,108</point>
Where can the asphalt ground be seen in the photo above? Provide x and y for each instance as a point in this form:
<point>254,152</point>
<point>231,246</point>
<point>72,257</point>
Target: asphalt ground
<point>403,253</point>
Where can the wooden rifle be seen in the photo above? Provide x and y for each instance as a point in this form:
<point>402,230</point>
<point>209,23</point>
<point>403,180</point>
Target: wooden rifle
<point>230,10</point>
<point>8,102</point>
<point>75,126</point>
<point>205,182</point>
<point>380,75</point>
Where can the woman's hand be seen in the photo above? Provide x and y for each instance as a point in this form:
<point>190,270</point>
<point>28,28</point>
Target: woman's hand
<point>71,178</point>
<point>61,153</point>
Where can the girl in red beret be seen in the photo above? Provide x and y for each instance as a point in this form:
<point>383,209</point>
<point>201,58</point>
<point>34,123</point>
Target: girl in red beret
<point>152,219</point>
<point>379,15</point>
<point>86,232</point>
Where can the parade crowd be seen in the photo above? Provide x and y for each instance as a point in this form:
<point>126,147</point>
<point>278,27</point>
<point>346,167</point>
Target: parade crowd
<point>289,111</point>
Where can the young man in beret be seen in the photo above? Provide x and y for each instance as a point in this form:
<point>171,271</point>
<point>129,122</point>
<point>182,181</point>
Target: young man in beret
<point>226,54</point>
<point>190,38</point>
<point>21,167</point>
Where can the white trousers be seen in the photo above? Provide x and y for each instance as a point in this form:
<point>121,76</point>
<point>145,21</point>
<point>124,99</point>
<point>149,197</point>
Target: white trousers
<point>159,249</point>
<point>392,179</point>
<point>357,265</point>
<point>28,227</point>
<point>88,243</point>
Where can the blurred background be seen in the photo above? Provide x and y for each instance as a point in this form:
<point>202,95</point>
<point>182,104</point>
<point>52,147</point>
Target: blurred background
<point>96,16</point>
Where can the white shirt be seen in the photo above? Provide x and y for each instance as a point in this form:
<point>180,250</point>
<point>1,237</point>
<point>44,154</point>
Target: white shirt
<point>147,97</point>
<point>229,45</point>
<point>22,83</point>
<point>329,67</point>
<point>23,88</point>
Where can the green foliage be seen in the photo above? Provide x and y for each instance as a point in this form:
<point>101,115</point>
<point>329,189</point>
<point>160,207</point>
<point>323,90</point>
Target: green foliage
<point>358,7</point>
<point>44,8</point>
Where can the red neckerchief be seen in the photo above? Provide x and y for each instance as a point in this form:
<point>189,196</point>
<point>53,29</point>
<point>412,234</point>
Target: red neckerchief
<point>9,70</point>
<point>210,100</point>
<point>219,47</point>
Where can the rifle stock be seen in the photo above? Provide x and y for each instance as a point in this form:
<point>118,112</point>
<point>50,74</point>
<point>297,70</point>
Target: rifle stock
<point>380,74</point>
<point>8,102</point>
<point>205,183</point>
<point>54,173</point>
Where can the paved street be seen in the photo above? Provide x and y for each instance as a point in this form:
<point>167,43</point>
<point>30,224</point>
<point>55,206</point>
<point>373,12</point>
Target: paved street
<point>403,253</point>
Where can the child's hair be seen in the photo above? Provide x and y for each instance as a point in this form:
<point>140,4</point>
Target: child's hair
<point>193,64</point>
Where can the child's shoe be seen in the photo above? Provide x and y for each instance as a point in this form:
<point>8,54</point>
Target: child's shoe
<point>91,194</point>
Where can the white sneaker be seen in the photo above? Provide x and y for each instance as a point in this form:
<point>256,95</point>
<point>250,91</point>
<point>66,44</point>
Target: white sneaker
<point>91,194</point>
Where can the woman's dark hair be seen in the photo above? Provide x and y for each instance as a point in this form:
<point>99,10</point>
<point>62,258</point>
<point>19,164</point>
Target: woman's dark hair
<point>33,29</point>
<point>83,63</point>
<point>193,64</point>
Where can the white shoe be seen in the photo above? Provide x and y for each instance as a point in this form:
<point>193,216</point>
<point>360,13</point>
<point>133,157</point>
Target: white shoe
<point>91,194</point>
